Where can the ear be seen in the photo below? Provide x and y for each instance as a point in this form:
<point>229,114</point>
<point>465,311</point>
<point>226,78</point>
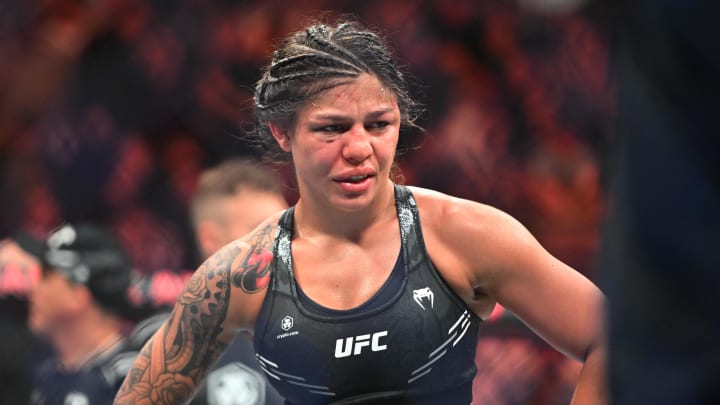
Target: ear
<point>281,135</point>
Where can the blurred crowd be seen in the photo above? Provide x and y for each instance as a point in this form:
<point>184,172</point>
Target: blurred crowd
<point>110,110</point>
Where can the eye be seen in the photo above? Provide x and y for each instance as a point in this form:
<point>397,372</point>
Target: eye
<point>378,125</point>
<point>331,129</point>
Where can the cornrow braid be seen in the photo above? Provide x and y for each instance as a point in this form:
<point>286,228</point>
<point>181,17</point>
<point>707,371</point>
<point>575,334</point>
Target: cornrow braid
<point>280,84</point>
<point>319,58</point>
<point>307,61</point>
<point>324,43</point>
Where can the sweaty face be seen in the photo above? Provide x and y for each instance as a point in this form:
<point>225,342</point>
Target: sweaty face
<point>343,144</point>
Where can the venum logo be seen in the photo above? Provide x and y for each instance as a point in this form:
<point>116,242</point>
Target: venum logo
<point>353,345</point>
<point>424,295</point>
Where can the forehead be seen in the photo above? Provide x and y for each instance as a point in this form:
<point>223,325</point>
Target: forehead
<point>363,94</point>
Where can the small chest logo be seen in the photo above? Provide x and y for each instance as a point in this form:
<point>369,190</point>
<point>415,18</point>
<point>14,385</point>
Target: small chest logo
<point>287,323</point>
<point>353,345</point>
<point>424,295</point>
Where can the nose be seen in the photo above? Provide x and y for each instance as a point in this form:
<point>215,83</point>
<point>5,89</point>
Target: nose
<point>357,147</point>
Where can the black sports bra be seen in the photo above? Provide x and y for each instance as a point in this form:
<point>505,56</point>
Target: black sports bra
<point>413,342</point>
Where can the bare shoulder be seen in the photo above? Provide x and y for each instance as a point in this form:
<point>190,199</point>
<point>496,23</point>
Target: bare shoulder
<point>487,256</point>
<point>224,295</point>
<point>469,241</point>
<point>451,215</point>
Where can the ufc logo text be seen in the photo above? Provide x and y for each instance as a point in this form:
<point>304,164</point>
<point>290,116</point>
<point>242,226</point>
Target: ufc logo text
<point>354,345</point>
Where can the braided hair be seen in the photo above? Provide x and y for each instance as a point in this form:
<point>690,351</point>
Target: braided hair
<point>316,59</point>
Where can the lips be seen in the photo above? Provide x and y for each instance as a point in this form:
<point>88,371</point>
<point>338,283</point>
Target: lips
<point>354,179</point>
<point>355,182</point>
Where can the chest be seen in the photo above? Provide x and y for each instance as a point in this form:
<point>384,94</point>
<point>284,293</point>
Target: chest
<point>421,338</point>
<point>344,275</point>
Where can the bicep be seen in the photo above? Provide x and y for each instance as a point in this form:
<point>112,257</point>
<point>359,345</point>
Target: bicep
<point>551,298</point>
<point>485,253</point>
<point>205,318</point>
<point>179,354</point>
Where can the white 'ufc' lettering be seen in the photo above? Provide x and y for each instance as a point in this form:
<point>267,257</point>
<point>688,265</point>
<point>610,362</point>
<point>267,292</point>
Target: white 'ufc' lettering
<point>345,347</point>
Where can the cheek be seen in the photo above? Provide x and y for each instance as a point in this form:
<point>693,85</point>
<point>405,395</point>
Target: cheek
<point>53,292</point>
<point>41,290</point>
<point>42,307</point>
<point>42,297</point>
<point>386,148</point>
<point>317,157</point>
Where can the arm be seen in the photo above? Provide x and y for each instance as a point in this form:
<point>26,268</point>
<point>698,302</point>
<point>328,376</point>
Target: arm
<point>498,260</point>
<point>558,303</point>
<point>218,300</point>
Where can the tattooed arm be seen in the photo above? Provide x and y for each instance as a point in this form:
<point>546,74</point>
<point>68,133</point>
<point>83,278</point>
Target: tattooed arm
<point>220,298</point>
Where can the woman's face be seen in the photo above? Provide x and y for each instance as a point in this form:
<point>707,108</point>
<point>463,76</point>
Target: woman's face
<point>343,143</point>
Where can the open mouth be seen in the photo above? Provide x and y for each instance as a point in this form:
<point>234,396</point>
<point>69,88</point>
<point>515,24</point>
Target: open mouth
<point>354,179</point>
<point>355,184</point>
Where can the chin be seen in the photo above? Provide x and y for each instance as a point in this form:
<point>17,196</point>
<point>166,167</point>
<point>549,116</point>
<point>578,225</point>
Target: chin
<point>353,203</point>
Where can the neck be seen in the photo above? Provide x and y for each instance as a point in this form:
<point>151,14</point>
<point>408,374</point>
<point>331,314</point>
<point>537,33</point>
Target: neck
<point>87,338</point>
<point>313,218</point>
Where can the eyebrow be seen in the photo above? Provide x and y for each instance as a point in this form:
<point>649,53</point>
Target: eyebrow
<point>338,117</point>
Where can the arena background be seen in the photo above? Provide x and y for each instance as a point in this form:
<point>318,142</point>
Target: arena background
<point>109,109</point>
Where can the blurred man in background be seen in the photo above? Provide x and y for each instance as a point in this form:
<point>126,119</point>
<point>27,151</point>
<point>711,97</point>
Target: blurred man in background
<point>231,200</point>
<point>78,306</point>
